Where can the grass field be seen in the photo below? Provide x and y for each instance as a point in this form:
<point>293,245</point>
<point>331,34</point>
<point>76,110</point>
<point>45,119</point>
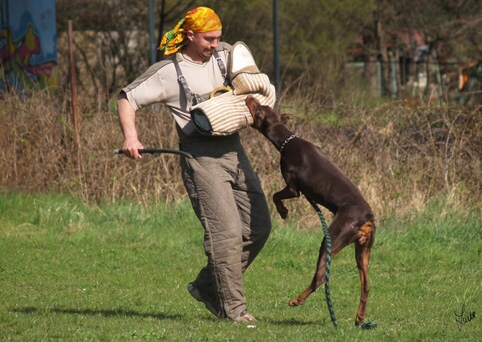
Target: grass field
<point>77,272</point>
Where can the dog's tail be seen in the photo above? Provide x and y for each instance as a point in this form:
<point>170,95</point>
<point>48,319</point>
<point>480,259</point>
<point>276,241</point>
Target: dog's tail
<point>328,262</point>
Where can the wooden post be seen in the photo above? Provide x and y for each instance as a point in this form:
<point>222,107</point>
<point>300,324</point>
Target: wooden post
<point>73,88</point>
<point>75,115</point>
<point>73,94</point>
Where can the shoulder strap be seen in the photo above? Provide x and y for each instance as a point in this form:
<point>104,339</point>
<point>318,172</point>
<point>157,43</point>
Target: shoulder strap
<point>221,66</point>
<point>187,90</point>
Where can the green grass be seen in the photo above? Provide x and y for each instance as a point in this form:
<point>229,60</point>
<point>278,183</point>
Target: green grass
<point>77,272</point>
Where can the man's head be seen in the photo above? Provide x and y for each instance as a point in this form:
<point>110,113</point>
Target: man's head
<point>201,26</point>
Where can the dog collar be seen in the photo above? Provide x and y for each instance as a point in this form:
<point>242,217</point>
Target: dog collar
<point>286,141</point>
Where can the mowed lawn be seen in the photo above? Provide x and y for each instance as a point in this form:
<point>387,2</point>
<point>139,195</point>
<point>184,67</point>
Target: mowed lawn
<point>118,272</point>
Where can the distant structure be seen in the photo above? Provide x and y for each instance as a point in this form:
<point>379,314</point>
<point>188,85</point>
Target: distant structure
<point>413,68</point>
<point>28,44</point>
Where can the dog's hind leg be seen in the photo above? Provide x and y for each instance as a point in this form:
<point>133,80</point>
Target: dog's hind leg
<point>318,278</point>
<point>339,240</point>
<point>362,255</point>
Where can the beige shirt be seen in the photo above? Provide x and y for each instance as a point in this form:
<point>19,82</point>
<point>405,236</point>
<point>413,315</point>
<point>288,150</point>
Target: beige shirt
<point>159,84</point>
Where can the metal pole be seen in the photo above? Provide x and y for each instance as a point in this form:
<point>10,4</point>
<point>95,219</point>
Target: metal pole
<point>151,32</point>
<point>276,49</point>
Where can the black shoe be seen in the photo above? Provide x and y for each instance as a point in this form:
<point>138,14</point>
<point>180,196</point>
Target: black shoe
<point>196,294</point>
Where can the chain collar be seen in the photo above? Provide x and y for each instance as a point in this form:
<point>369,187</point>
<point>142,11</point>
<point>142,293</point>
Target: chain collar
<point>287,141</point>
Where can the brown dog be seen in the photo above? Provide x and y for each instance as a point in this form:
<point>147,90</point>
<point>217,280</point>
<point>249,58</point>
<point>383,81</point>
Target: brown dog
<point>307,170</point>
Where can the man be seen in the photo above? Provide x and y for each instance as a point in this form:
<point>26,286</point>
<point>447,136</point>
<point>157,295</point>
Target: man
<point>224,190</point>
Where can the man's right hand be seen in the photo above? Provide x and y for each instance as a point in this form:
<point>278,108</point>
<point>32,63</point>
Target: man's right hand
<point>131,148</point>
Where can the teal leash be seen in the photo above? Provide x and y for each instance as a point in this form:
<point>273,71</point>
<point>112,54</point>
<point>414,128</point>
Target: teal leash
<point>328,262</point>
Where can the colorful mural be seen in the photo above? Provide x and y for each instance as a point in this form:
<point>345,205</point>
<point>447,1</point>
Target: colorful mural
<point>28,43</point>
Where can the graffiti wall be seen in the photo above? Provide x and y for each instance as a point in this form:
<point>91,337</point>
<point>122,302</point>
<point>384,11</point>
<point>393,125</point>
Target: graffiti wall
<point>28,43</point>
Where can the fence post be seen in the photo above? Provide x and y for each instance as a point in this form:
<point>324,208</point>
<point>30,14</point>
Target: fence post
<point>75,115</point>
<point>73,94</point>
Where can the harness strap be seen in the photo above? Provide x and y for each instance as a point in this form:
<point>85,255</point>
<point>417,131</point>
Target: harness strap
<point>187,90</point>
<point>190,95</point>
<point>221,66</point>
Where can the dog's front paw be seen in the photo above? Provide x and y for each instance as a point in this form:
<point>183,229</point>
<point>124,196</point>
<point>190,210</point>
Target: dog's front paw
<point>283,212</point>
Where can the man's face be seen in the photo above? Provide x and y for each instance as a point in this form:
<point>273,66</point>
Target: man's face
<point>204,42</point>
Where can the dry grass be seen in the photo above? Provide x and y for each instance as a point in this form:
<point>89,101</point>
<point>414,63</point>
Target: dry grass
<point>400,156</point>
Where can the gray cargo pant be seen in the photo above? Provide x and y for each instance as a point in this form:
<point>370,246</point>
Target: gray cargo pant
<point>227,197</point>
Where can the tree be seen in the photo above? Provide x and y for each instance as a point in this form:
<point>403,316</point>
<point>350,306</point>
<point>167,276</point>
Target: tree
<point>315,38</point>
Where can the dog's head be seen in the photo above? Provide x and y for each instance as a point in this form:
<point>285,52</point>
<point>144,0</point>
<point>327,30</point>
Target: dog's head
<point>264,117</point>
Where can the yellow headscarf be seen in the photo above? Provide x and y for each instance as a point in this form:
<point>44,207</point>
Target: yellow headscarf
<point>200,19</point>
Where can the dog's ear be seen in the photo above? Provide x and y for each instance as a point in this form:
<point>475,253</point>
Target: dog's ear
<point>286,117</point>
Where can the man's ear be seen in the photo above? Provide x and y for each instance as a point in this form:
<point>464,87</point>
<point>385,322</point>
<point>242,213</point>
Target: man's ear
<point>286,117</point>
<point>190,35</point>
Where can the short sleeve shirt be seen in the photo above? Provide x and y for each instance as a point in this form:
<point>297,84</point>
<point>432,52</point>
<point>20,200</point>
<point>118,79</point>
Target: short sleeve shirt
<point>159,84</point>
